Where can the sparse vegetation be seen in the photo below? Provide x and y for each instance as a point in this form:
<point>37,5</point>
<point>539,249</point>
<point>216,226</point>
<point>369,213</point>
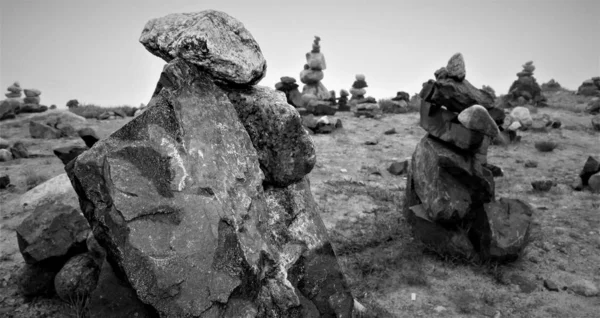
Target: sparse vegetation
<point>93,111</point>
<point>33,179</point>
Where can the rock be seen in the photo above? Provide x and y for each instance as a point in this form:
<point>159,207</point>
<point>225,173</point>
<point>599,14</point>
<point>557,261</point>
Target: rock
<point>211,39</point>
<point>522,115</point>
<point>316,61</point>
<point>514,126</point>
<point>4,181</point>
<point>58,117</point>
<point>441,73</point>
<point>584,288</point>
<point>311,77</point>
<point>496,171</point>
<point>57,189</point>
<point>550,285</point>
<point>545,145</point>
<point>318,90</point>
<point>89,136</point>
<point>115,298</point>
<point>285,152</point>
<point>399,167</point>
<point>66,154</point>
<point>593,106</point>
<point>5,155</point>
<point>477,118</point>
<point>390,131</point>
<point>438,123</point>
<point>7,109</point>
<point>502,228</point>
<point>120,113</point>
<point>35,280</point>
<point>15,88</point>
<point>371,142</point>
<point>18,150</point>
<point>309,121</point>
<point>531,164</point>
<point>358,91</point>
<point>542,185</point>
<point>77,278</point>
<point>4,144</point>
<point>52,234</point>
<point>596,123</point>
<point>395,107</point>
<point>360,77</point>
<point>594,182</point>
<point>191,222</point>
<point>31,100</point>
<point>32,92</point>
<point>457,96</point>
<point>52,106</point>
<point>456,67</point>
<point>41,131</point>
<point>32,108</point>
<point>446,182</point>
<point>359,84</point>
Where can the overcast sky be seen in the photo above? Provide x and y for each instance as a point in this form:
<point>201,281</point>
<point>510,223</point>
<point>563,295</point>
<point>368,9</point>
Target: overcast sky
<point>90,50</point>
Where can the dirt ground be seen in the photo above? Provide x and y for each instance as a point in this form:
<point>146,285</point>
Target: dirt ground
<point>360,205</point>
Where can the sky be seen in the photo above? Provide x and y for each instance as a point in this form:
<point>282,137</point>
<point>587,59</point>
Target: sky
<point>89,49</point>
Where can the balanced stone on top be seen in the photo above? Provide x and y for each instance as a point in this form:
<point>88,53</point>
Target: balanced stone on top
<point>211,39</point>
<point>456,67</point>
<point>32,92</point>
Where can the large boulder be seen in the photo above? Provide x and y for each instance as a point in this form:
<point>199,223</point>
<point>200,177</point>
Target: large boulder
<point>211,39</point>
<point>77,278</point>
<point>457,96</point>
<point>66,154</point>
<point>52,233</point>
<point>191,223</point>
<point>502,228</point>
<point>43,131</point>
<point>89,136</point>
<point>448,182</point>
<point>285,152</point>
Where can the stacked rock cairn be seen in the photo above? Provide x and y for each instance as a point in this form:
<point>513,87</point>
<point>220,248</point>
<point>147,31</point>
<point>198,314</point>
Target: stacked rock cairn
<point>211,211</point>
<point>364,106</point>
<point>31,102</point>
<point>450,200</point>
<point>525,90</point>
<point>315,96</point>
<point>342,102</point>
<point>288,86</point>
<point>398,105</point>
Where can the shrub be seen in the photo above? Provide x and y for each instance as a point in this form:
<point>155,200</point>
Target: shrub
<point>32,179</point>
<point>72,103</point>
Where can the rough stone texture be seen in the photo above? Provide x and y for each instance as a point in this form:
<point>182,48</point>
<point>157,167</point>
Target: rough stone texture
<point>36,280</point>
<point>439,124</point>
<point>522,115</point>
<point>285,152</point>
<point>190,224</point>
<point>399,167</point>
<point>114,298</point>
<point>594,182</point>
<point>456,67</point>
<point>8,107</point>
<point>590,167</point>
<point>502,229</point>
<point>596,122</point>
<point>457,96</point>
<point>66,154</point>
<point>89,136</point>
<point>77,278</point>
<point>543,185</point>
<point>447,182</point>
<point>18,150</point>
<point>477,118</point>
<point>41,131</point>
<point>5,155</point>
<point>211,39</point>
<point>52,233</point>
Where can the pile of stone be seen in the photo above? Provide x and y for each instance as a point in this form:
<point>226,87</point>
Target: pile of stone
<point>342,102</point>
<point>364,106</point>
<point>450,196</point>
<point>590,87</point>
<point>525,90</point>
<point>398,104</point>
<point>10,152</point>
<point>211,212</point>
<point>551,86</point>
<point>14,104</point>
<point>288,86</point>
<point>32,102</point>
<point>316,99</point>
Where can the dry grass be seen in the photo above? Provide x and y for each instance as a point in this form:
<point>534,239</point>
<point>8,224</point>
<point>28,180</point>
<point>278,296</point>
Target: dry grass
<point>77,307</point>
<point>33,179</point>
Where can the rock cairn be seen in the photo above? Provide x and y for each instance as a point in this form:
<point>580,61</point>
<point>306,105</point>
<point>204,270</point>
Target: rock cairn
<point>450,200</point>
<point>288,86</point>
<point>590,87</point>
<point>551,86</point>
<point>525,90</point>
<point>316,99</point>
<point>211,212</point>
<point>364,106</point>
<point>14,91</point>
<point>343,105</point>
<point>9,107</point>
<point>398,105</point>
